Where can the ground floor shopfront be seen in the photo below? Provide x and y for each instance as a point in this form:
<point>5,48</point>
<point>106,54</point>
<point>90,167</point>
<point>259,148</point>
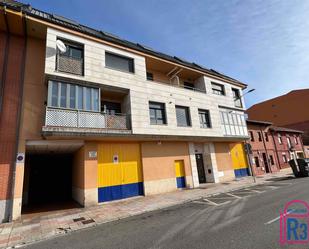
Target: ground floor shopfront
<point>91,172</point>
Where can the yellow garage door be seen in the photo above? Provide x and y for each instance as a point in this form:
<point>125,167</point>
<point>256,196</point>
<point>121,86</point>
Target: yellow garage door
<point>119,171</point>
<point>180,173</point>
<point>239,159</point>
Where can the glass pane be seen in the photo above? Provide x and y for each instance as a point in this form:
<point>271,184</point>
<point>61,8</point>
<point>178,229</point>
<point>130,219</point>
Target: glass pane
<point>95,96</point>
<point>72,96</point>
<point>88,98</point>
<point>54,99</point>
<point>160,121</point>
<point>159,114</point>
<point>152,113</point>
<point>76,53</point>
<point>80,98</point>
<point>63,95</point>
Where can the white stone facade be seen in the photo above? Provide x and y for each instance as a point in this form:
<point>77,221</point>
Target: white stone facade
<point>143,91</point>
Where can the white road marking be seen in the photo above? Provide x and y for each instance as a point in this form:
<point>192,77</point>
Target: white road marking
<point>235,196</point>
<point>211,202</point>
<point>273,220</point>
<point>256,191</point>
<point>202,202</point>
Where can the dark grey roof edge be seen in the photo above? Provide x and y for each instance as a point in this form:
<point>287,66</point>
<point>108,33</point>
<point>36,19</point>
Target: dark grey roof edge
<point>278,128</point>
<point>29,10</point>
<point>252,121</point>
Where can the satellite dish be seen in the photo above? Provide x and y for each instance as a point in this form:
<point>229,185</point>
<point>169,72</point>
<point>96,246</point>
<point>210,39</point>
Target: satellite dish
<point>61,46</point>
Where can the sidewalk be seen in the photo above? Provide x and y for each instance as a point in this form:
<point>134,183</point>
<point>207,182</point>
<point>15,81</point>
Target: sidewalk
<point>32,228</point>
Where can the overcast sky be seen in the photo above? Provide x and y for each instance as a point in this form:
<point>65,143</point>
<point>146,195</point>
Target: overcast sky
<point>262,43</point>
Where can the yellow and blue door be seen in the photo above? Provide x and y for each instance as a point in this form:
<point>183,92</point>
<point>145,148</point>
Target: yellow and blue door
<point>239,160</point>
<point>119,171</point>
<point>180,174</point>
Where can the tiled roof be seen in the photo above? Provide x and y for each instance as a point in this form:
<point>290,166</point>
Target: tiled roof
<point>71,24</point>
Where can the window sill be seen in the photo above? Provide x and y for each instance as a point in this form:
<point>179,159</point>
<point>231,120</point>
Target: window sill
<point>119,70</point>
<point>160,124</point>
<point>68,73</point>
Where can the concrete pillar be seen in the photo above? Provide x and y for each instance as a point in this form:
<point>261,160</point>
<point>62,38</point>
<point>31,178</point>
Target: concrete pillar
<point>85,168</point>
<point>195,179</point>
<point>210,162</point>
<point>18,184</point>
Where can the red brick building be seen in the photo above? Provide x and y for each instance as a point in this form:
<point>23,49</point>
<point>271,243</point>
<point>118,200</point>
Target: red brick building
<point>285,111</point>
<point>12,60</point>
<point>272,147</point>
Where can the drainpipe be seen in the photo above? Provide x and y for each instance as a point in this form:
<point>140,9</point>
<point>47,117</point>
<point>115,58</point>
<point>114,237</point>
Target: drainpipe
<point>20,99</point>
<point>5,58</point>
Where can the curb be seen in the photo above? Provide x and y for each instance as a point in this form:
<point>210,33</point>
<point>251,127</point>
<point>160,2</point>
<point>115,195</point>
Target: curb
<point>66,232</point>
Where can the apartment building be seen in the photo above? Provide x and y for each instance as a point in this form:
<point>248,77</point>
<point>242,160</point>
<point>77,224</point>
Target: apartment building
<point>272,147</point>
<point>104,119</point>
<point>285,111</point>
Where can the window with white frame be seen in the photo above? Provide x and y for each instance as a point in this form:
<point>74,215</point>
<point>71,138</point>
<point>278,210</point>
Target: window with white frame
<point>289,142</point>
<point>279,139</point>
<point>234,124</point>
<point>71,96</point>
<point>295,139</point>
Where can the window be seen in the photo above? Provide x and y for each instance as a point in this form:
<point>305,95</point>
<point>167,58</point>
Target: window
<point>72,60</point>
<point>204,118</point>
<point>157,113</point>
<point>149,76</point>
<point>295,140</point>
<point>73,96</point>
<point>257,161</point>
<point>251,136</point>
<point>279,139</point>
<point>236,97</point>
<point>217,89</point>
<point>119,62</point>
<point>73,50</point>
<point>271,158</point>
<point>234,124</point>
<point>188,85</point>
<point>260,136</point>
<point>266,136</point>
<point>289,142</point>
<point>183,116</point>
<point>284,158</point>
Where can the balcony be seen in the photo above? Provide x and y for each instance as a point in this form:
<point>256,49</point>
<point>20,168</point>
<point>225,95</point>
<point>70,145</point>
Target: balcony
<point>165,73</point>
<point>59,119</point>
<point>69,64</point>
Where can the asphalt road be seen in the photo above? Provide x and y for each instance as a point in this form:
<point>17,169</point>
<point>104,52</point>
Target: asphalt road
<point>241,219</point>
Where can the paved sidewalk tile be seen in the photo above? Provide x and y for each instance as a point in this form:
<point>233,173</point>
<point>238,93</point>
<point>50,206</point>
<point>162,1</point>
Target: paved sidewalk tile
<point>43,226</point>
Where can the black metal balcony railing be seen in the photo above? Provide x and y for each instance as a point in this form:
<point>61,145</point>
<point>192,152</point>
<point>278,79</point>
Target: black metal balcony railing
<point>70,64</point>
<point>57,117</point>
